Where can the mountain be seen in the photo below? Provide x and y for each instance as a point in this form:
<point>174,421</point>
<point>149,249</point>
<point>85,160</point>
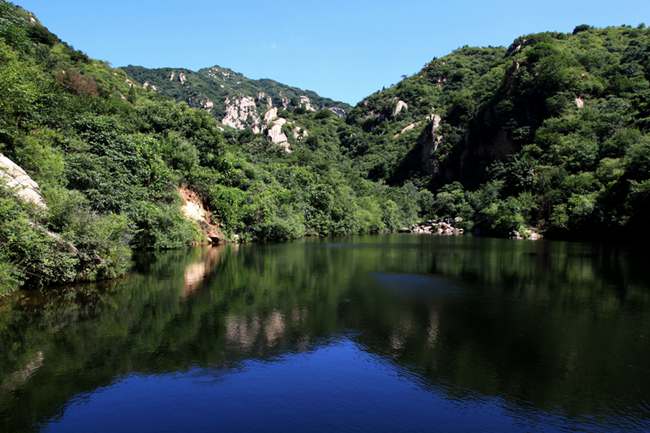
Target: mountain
<point>548,136</point>
<point>551,134</point>
<point>237,101</point>
<point>94,165</point>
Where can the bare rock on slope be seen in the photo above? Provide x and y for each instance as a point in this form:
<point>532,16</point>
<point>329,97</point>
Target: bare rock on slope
<point>17,180</point>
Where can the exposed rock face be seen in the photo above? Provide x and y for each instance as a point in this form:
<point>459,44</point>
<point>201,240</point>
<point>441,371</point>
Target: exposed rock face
<point>194,210</point>
<point>241,113</point>
<point>270,115</point>
<point>338,111</point>
<point>17,180</point>
<point>207,105</point>
<point>181,77</point>
<point>148,85</point>
<point>277,136</point>
<point>305,103</point>
<point>399,107</point>
<point>263,98</point>
<point>436,120</point>
<point>300,133</point>
<point>406,129</point>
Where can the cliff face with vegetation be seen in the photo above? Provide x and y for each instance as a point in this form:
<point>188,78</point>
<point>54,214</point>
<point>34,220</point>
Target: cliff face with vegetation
<point>109,155</point>
<point>551,133</point>
<point>235,100</point>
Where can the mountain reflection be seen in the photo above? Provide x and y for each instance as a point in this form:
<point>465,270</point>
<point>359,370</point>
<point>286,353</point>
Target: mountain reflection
<point>554,327</point>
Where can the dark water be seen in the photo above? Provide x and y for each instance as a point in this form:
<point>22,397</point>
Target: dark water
<point>384,334</point>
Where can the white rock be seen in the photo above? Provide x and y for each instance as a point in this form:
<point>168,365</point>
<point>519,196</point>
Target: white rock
<point>406,129</point>
<point>207,105</point>
<point>277,136</point>
<point>270,116</point>
<point>399,107</point>
<point>17,180</point>
<point>305,103</point>
<point>300,133</point>
<point>338,111</point>
<point>241,113</point>
<point>580,103</point>
<point>436,120</point>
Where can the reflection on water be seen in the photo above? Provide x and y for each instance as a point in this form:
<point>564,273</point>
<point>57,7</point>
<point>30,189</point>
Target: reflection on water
<point>398,333</point>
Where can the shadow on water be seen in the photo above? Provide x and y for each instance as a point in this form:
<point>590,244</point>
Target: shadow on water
<point>555,335</point>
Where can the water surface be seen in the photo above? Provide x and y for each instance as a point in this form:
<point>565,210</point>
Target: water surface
<point>373,334</point>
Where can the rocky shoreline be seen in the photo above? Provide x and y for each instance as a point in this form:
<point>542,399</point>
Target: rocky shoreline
<point>439,228</point>
<point>446,228</point>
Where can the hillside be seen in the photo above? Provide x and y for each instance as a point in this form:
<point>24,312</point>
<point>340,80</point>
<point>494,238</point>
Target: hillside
<point>92,163</point>
<point>551,134</point>
<point>235,100</point>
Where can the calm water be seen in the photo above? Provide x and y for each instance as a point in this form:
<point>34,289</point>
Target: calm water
<point>379,334</point>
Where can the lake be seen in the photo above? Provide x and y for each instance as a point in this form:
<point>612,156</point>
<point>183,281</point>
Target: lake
<point>390,334</point>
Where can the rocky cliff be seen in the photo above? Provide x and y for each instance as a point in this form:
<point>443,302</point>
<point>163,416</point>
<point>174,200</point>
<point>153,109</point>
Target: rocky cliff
<point>235,100</point>
<point>20,183</point>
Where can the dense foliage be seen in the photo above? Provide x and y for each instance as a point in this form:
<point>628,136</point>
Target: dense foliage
<point>109,156</point>
<point>553,133</point>
<point>550,135</point>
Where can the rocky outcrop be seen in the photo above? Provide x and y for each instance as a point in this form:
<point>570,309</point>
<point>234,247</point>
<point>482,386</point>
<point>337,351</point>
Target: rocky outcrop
<point>18,181</point>
<point>526,233</point>
<point>338,111</point>
<point>180,77</point>
<point>270,116</point>
<point>399,107</point>
<point>148,85</point>
<point>305,103</point>
<point>278,136</point>
<point>207,105</point>
<point>265,99</point>
<point>406,129</point>
<point>439,228</point>
<point>435,120</point>
<point>300,133</point>
<point>194,210</point>
<point>580,103</point>
<point>242,113</point>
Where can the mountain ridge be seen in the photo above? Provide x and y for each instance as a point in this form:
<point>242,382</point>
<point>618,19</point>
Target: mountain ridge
<point>234,99</point>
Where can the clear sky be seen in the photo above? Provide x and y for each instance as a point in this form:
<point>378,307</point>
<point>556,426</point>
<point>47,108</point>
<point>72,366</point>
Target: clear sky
<point>343,49</point>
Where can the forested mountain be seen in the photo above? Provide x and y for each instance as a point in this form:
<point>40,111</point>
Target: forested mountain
<point>551,133</point>
<point>234,99</point>
<point>110,157</point>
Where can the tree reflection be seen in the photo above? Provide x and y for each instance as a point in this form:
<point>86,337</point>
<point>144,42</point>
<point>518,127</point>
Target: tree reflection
<point>555,325</point>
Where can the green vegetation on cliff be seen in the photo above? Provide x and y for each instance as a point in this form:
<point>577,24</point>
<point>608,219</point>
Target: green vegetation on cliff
<point>216,84</point>
<point>109,156</point>
<point>553,132</point>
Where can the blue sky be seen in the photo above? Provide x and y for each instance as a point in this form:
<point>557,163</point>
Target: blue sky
<point>343,49</point>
